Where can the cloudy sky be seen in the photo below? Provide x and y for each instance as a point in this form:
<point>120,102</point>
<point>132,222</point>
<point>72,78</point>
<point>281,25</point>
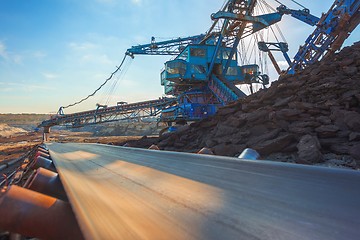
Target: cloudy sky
<point>53,53</point>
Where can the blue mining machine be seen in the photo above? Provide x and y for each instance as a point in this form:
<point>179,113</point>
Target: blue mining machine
<point>205,71</point>
<point>204,74</point>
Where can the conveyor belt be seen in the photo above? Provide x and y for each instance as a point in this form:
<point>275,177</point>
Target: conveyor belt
<point>110,114</point>
<point>127,193</point>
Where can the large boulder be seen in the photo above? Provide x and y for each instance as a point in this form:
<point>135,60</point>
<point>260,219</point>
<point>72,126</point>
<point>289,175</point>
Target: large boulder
<point>309,150</point>
<point>274,145</point>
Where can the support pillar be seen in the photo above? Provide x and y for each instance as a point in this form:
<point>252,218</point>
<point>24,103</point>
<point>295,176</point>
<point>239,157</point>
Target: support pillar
<point>46,133</point>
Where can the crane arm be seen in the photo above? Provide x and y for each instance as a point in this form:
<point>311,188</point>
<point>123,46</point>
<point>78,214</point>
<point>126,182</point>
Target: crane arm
<point>302,15</point>
<point>168,47</point>
<point>331,31</point>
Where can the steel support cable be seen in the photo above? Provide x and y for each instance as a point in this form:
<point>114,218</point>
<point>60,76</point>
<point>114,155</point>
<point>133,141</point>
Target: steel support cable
<point>115,84</point>
<point>258,53</point>
<point>279,2</point>
<point>265,55</point>
<point>112,90</point>
<point>249,50</point>
<point>266,8</point>
<point>108,79</point>
<point>107,95</point>
<point>107,91</point>
<point>267,5</point>
<point>269,9</point>
<point>262,58</point>
<point>242,51</point>
<point>297,3</point>
<point>280,32</point>
<point>118,80</point>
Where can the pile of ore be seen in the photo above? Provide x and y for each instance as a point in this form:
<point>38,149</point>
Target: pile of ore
<point>311,117</point>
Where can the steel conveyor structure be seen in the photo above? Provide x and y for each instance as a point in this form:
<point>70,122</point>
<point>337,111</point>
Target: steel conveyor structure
<point>110,114</point>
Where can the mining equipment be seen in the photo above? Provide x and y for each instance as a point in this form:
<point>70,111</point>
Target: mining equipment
<point>95,191</point>
<point>205,70</point>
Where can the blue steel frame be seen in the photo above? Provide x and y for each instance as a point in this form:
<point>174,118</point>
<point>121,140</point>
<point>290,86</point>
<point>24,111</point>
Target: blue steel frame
<point>331,31</point>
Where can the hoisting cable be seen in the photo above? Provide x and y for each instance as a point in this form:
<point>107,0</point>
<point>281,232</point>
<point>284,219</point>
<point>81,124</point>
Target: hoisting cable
<point>293,2</point>
<point>108,79</point>
<point>269,8</point>
<point>115,84</point>
<point>267,5</point>
<point>299,4</point>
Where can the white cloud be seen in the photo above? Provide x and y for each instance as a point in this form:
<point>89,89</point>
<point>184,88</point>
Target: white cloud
<point>85,46</point>
<point>137,2</point>
<point>100,59</point>
<point>106,1</point>
<point>6,86</point>
<point>3,52</point>
<point>6,89</point>
<point>49,76</point>
<point>18,59</point>
<point>39,54</point>
<point>7,56</point>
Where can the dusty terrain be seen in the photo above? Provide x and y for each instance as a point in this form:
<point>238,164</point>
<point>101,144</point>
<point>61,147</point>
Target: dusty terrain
<point>16,142</point>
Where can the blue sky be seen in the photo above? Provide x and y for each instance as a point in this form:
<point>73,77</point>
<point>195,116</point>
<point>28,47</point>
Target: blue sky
<point>53,53</point>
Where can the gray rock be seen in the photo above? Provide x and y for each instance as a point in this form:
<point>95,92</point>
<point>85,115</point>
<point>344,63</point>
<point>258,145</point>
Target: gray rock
<point>258,116</point>
<point>309,149</point>
<point>338,161</point>
<point>274,145</point>
<point>210,143</point>
<point>352,120</point>
<point>355,151</point>
<point>263,137</point>
<point>235,122</point>
<point>346,62</point>
<point>288,114</point>
<point>282,101</point>
<point>226,110</point>
<point>342,148</point>
<point>301,105</point>
<point>224,149</point>
<point>324,120</point>
<point>209,123</point>
<point>223,130</point>
<point>350,70</point>
<point>327,130</point>
<point>354,136</point>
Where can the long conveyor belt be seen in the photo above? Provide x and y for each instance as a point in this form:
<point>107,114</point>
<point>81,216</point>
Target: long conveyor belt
<point>127,193</point>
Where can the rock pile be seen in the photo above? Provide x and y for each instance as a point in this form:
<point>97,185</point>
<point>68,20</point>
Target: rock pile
<point>310,117</point>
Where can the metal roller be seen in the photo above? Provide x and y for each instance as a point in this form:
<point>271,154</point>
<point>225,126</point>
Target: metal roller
<point>48,182</point>
<point>44,163</point>
<point>37,215</point>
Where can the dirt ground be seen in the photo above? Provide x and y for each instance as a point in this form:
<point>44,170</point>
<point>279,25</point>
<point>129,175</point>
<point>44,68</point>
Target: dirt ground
<point>17,145</point>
